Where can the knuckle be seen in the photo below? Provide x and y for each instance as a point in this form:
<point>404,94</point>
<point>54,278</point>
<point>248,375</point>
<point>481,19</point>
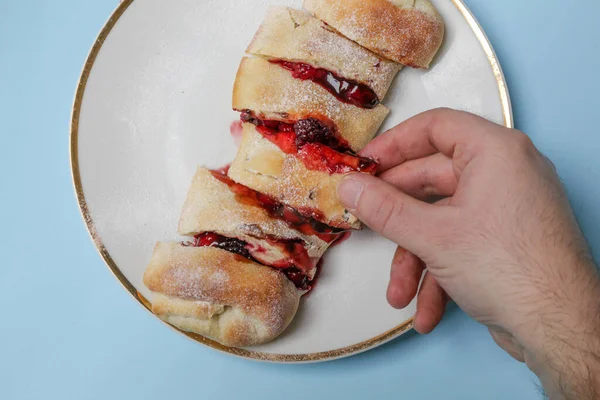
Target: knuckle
<point>441,111</point>
<point>522,142</point>
<point>438,117</point>
<point>386,214</point>
<point>550,164</point>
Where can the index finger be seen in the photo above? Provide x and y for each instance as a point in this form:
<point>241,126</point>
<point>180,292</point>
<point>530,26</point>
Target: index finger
<point>440,130</point>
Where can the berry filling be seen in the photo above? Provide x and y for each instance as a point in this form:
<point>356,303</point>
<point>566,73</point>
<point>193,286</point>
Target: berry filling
<point>224,170</point>
<point>341,239</point>
<point>346,90</point>
<point>295,219</point>
<point>293,267</point>
<point>232,245</point>
<point>314,141</point>
<point>236,131</point>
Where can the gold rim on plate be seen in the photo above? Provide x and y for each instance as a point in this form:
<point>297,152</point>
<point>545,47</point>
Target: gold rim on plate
<point>288,358</point>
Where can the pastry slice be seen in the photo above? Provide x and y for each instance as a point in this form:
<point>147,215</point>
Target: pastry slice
<point>311,50</point>
<point>409,32</point>
<point>220,295</point>
<point>271,92</point>
<point>221,213</point>
<point>306,180</point>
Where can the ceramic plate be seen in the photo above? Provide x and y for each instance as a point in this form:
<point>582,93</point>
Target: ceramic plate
<point>154,102</point>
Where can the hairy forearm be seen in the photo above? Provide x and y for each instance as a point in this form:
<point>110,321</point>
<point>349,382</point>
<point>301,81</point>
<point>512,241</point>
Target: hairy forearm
<point>567,370</point>
<point>564,351</point>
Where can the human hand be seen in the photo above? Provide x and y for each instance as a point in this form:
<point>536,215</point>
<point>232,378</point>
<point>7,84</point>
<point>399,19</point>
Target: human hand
<point>503,241</point>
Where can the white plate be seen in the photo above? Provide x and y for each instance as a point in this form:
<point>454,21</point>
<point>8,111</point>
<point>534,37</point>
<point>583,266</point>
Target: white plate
<point>154,101</point>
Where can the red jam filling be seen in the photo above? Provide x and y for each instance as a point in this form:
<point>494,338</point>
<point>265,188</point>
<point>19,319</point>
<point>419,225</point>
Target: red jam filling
<point>236,131</point>
<point>341,239</point>
<point>295,219</point>
<point>297,254</point>
<point>315,279</point>
<point>315,143</point>
<point>232,245</point>
<point>224,170</point>
<point>346,90</point>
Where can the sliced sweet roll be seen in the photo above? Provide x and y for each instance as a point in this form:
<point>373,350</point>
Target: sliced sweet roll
<point>219,294</point>
<point>221,213</point>
<point>301,174</point>
<point>310,50</point>
<point>273,93</point>
<point>314,141</point>
<point>409,32</point>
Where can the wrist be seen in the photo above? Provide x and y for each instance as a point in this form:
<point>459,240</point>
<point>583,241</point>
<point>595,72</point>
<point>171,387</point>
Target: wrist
<point>561,341</point>
<point>568,365</point>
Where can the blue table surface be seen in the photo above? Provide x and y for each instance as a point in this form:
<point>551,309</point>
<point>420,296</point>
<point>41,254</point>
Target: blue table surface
<point>69,331</point>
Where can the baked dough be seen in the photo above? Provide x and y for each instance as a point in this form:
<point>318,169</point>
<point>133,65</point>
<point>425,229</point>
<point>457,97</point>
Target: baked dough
<point>409,32</point>
<point>225,296</point>
<point>219,295</point>
<point>295,35</point>
<point>212,207</point>
<point>271,91</point>
<point>264,167</point>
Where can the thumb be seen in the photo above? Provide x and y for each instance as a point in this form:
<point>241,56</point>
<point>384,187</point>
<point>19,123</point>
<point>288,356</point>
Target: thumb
<point>404,220</point>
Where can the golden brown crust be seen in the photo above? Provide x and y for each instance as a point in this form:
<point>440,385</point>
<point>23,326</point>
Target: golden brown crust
<point>295,35</point>
<point>163,305</point>
<point>406,31</point>
<point>212,207</point>
<point>264,167</point>
<point>220,295</point>
<point>270,90</point>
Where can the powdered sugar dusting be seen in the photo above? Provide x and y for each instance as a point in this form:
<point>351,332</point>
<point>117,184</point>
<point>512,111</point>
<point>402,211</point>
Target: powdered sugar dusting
<point>218,277</point>
<point>271,90</point>
<point>212,207</point>
<point>462,78</point>
<point>296,36</point>
<point>290,181</point>
<point>410,36</point>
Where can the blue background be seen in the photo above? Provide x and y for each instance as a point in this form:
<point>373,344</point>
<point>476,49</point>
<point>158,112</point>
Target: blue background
<point>69,331</point>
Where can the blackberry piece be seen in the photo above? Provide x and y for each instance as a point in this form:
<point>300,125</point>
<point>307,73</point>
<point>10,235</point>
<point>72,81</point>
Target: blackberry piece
<point>234,246</point>
<point>311,130</point>
<point>248,116</point>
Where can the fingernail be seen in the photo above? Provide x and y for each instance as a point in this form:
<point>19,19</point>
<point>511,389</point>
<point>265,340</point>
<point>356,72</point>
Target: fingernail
<point>349,192</point>
<point>401,254</point>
